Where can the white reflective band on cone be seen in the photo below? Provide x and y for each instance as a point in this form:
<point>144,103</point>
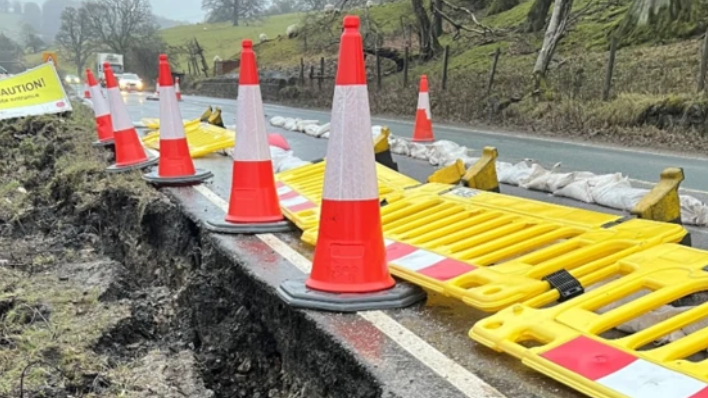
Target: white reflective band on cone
<point>349,150</point>
<point>100,105</point>
<point>171,124</point>
<point>424,103</point>
<point>252,145</point>
<point>119,113</point>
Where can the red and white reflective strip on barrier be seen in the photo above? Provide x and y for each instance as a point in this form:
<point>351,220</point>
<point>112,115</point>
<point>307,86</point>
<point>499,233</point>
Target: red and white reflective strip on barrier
<point>622,372</point>
<point>292,200</point>
<point>424,262</point>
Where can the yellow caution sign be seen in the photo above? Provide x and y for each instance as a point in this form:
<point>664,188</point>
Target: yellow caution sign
<point>50,56</point>
<point>566,341</point>
<point>35,92</point>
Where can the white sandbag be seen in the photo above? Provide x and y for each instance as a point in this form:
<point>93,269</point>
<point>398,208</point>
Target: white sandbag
<point>290,124</point>
<point>399,146</point>
<point>550,182</point>
<point>468,161</point>
<point>277,121</point>
<point>445,146</point>
<point>618,195</point>
<point>290,163</point>
<point>521,173</point>
<point>301,125</point>
<point>321,130</point>
<point>693,211</point>
<point>453,155</point>
<point>277,155</point>
<point>376,131</point>
<point>581,188</point>
<point>418,151</point>
<point>325,135</point>
<point>502,167</point>
<point>312,130</point>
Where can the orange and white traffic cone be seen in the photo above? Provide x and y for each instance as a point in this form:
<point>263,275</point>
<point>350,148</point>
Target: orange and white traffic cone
<point>130,154</point>
<point>349,269</point>
<point>104,125</point>
<point>175,166</point>
<point>179,93</point>
<point>87,93</point>
<point>423,129</point>
<point>253,206</point>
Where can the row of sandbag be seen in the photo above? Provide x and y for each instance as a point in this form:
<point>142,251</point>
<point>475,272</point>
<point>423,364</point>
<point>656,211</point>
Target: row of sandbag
<point>439,153</point>
<point>611,190</point>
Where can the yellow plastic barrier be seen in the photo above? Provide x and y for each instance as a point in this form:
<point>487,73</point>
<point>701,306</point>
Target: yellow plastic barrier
<point>569,342</point>
<point>202,139</point>
<point>451,174</point>
<point>154,123</point>
<point>300,191</point>
<point>477,250</point>
<point>663,202</point>
<point>483,174</point>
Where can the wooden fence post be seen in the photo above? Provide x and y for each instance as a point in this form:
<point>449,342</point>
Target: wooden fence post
<point>493,71</point>
<point>704,63</point>
<point>445,61</point>
<point>378,70</point>
<point>610,68</point>
<point>302,71</point>
<point>322,72</point>
<point>405,68</point>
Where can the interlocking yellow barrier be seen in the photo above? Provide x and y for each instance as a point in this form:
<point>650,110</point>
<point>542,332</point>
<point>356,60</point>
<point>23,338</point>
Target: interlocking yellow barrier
<point>492,251</point>
<point>569,342</point>
<point>154,123</point>
<point>300,191</point>
<point>202,139</point>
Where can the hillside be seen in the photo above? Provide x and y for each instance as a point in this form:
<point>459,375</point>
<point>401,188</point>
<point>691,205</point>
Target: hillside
<point>11,25</point>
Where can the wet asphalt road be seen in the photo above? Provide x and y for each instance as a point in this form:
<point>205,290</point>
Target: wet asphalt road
<point>444,323</point>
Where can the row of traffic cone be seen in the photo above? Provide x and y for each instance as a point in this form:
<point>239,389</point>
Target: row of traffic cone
<point>349,270</point>
<point>178,92</point>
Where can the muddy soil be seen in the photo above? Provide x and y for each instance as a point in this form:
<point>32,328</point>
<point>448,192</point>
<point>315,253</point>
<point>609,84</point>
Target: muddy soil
<point>107,289</point>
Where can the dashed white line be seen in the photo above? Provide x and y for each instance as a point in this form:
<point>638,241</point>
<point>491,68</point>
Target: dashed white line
<point>464,380</point>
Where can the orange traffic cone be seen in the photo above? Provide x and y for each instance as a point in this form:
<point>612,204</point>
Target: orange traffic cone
<point>104,125</point>
<point>423,129</point>
<point>349,270</point>
<point>254,205</point>
<point>179,93</point>
<point>130,154</point>
<point>175,165</point>
<point>277,140</point>
<point>87,93</point>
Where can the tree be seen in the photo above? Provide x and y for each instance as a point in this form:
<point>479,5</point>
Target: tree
<point>536,18</point>
<point>5,6</point>
<point>429,44</point>
<point>556,29</point>
<point>33,15</point>
<point>232,10</point>
<point>120,24</point>
<point>31,40</point>
<point>51,16</point>
<point>10,55</point>
<point>651,20</point>
<point>74,37</point>
<point>17,7</point>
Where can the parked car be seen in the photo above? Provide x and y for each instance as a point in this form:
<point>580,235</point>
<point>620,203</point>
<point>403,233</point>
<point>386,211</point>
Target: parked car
<point>130,82</point>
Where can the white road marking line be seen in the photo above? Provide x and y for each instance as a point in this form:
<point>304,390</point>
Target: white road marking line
<point>464,380</point>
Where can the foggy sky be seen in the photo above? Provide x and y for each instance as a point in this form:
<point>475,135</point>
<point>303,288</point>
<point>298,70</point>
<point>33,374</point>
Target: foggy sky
<point>179,10</point>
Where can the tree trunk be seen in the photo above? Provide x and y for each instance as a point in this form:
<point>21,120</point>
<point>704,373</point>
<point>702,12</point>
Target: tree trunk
<point>236,11</point>
<point>437,19</point>
<point>648,20</point>
<point>554,33</point>
<point>429,44</point>
<point>536,18</point>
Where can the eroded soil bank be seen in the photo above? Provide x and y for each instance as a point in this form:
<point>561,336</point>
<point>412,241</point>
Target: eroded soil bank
<point>109,289</point>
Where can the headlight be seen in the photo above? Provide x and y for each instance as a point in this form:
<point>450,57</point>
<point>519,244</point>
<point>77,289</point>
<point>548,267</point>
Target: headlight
<point>139,85</point>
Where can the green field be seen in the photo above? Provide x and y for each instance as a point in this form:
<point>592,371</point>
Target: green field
<point>224,39</point>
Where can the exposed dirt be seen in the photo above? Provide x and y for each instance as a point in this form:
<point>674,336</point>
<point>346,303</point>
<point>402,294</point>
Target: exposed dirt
<point>107,289</point>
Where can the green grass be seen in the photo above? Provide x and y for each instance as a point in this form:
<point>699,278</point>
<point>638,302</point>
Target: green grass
<point>224,39</point>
